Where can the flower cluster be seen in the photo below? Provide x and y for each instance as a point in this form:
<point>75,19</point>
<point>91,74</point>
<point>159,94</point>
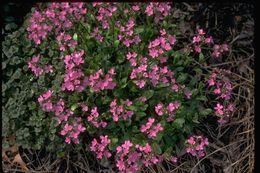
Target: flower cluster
<point>66,41</point>
<point>38,29</point>
<point>73,75</point>
<point>57,108</point>
<point>119,111</point>
<point>98,81</point>
<point>56,16</point>
<point>96,34</point>
<point>45,101</point>
<point>94,118</point>
<point>163,75</point>
<point>170,110</point>
<point>150,128</point>
<point>129,157</point>
<point>223,112</point>
<point>174,159</point>
<point>159,10</point>
<point>161,45</point>
<point>196,145</point>
<point>105,12</point>
<point>126,34</point>
<point>156,75</point>
<point>72,131</point>
<point>222,89</point>
<point>218,50</point>
<point>220,84</point>
<point>138,72</point>
<point>100,148</point>
<point>32,64</point>
<point>199,39</point>
<point>134,9</point>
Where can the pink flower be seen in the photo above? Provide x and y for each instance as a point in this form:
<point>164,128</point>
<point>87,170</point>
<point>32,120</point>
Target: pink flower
<point>127,145</point>
<point>147,148</point>
<point>128,102</point>
<point>47,95</point>
<point>136,7</point>
<point>153,53</point>
<point>95,119</point>
<point>120,165</point>
<point>217,91</point>
<point>149,10</point>
<point>188,93</point>
<point>67,140</point>
<point>196,145</point>
<point>140,83</point>
<point>174,159</point>
<point>197,49</point>
<point>201,32</point>
<point>172,40</point>
<point>100,148</point>
<point>119,111</point>
<point>196,39</point>
<point>219,109</point>
<point>225,47</point>
<point>209,40</point>
<point>191,140</point>
<point>163,32</point>
<point>159,109</point>
<point>84,107</point>
<point>211,82</point>
<point>150,129</point>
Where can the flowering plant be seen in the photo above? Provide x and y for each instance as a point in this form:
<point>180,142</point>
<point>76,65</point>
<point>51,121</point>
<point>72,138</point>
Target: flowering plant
<point>117,72</point>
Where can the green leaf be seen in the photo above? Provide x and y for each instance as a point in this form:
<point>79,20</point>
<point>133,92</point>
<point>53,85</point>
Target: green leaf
<point>3,65</point>
<point>116,43</point>
<point>50,53</point>
<point>158,137</point>
<point>132,108</point>
<point>10,26</point>
<point>195,118</point>
<point>74,107</point>
<point>179,122</point>
<point>114,140</point>
<point>182,77</point>
<point>135,129</point>
<point>17,73</point>
<point>9,19</point>
<point>120,59</point>
<point>144,107</point>
<point>168,152</point>
<point>75,36</point>
<point>72,49</point>
<point>139,30</point>
<point>201,57</point>
<point>4,87</point>
<point>178,69</point>
<point>139,139</point>
<point>139,115</point>
<point>156,148</point>
<point>206,112</point>
<point>60,153</point>
<point>148,94</point>
<point>202,98</point>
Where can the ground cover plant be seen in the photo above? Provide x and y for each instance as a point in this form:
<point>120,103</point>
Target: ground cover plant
<point>120,80</point>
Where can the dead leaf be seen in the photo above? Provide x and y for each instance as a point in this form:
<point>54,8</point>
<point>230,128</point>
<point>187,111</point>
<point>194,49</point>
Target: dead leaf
<point>19,160</point>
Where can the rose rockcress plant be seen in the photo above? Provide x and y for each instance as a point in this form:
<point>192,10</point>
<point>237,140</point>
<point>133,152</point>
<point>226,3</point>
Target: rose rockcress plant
<point>117,73</point>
